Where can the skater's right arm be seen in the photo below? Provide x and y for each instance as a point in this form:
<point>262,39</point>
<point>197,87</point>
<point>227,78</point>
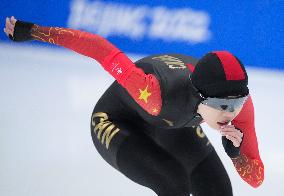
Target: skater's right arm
<point>248,163</point>
<point>143,88</point>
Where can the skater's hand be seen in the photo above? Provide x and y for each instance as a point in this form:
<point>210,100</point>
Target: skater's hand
<point>17,30</point>
<point>232,134</point>
<point>10,26</point>
<point>231,140</point>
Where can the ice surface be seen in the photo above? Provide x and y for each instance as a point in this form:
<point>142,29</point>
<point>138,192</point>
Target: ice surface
<point>46,99</point>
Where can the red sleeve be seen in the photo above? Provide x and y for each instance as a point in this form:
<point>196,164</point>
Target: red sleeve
<point>144,88</point>
<point>248,164</point>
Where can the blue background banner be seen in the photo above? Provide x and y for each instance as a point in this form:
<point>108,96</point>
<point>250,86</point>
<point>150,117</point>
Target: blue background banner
<point>252,30</point>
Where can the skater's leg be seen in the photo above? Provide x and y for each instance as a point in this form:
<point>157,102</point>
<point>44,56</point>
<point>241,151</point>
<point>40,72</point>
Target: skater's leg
<point>137,156</point>
<point>146,163</point>
<point>211,178</point>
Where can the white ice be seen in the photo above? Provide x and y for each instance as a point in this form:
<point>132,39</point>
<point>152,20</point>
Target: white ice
<point>46,99</point>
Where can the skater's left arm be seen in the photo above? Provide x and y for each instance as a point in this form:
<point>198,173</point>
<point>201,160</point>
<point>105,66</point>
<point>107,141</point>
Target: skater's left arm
<point>248,162</point>
<point>135,81</point>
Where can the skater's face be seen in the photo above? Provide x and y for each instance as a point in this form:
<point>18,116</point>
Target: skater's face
<point>216,118</point>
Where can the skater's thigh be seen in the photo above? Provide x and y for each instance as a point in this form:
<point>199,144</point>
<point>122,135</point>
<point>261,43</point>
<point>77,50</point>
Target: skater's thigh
<point>110,124</point>
<point>211,178</point>
<point>146,163</point>
<point>128,149</point>
<point>108,134</point>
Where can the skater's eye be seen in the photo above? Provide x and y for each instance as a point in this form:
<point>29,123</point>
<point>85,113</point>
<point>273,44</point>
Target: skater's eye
<point>224,107</point>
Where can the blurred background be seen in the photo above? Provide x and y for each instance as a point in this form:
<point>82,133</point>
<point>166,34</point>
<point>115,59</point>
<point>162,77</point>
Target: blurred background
<point>47,93</point>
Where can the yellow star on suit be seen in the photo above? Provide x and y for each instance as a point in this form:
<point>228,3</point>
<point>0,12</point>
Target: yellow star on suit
<point>144,94</point>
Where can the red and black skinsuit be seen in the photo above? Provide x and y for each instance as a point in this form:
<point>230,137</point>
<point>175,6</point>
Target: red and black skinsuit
<point>146,126</point>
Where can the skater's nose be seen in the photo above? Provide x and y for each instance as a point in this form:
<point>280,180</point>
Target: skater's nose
<point>228,115</point>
